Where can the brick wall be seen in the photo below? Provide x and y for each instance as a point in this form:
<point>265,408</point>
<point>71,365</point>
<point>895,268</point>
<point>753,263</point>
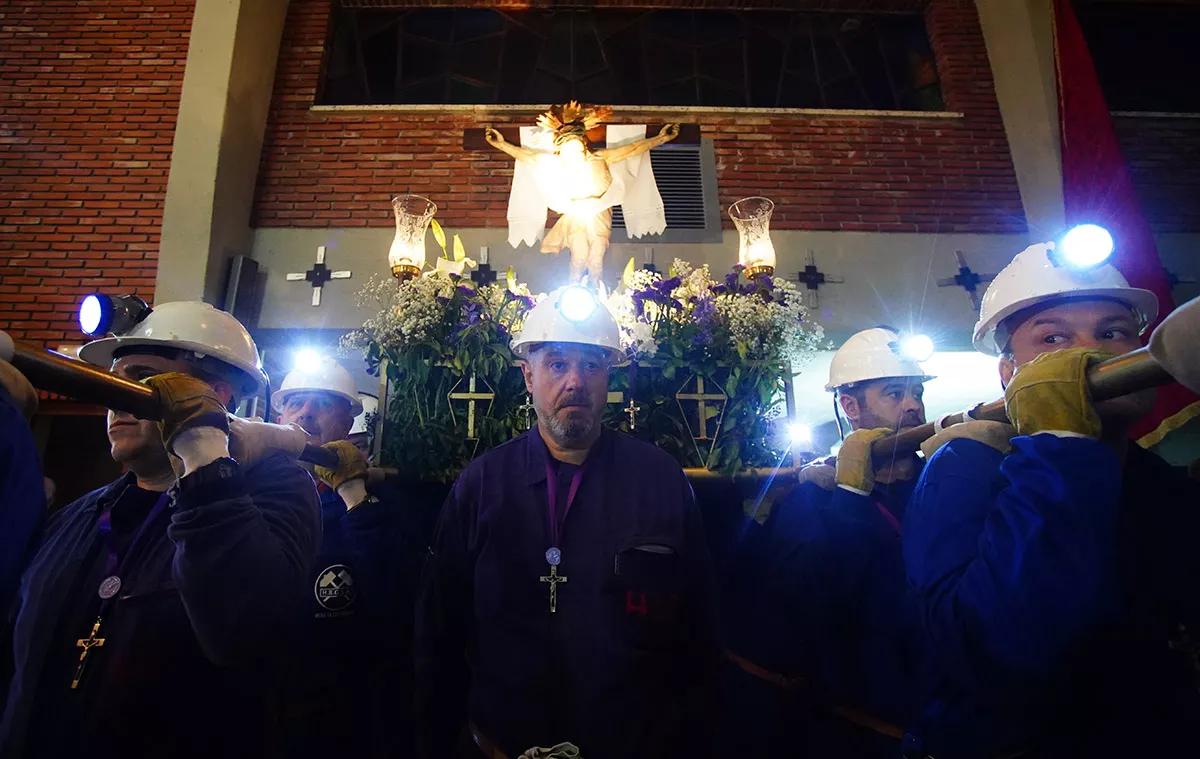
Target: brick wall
<point>89,91</point>
<point>1164,160</point>
<point>335,169</point>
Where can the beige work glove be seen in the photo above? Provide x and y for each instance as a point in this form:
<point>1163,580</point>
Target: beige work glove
<point>996,435</point>
<point>855,470</point>
<point>252,440</point>
<point>19,388</point>
<point>1050,394</point>
<point>186,403</point>
<point>352,465</point>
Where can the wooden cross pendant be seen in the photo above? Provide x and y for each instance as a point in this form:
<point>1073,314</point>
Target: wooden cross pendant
<point>87,644</point>
<point>554,578</point>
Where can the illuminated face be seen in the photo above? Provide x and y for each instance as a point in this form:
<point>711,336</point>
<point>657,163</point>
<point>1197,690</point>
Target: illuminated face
<point>324,416</point>
<point>573,149</point>
<point>894,402</point>
<point>569,385</point>
<point>1086,323</point>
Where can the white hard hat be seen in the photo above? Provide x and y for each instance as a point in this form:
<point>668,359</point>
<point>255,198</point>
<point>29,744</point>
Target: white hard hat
<point>553,321</point>
<point>190,326</point>
<point>869,355</point>
<point>326,376</point>
<point>370,405</point>
<point>1034,277</point>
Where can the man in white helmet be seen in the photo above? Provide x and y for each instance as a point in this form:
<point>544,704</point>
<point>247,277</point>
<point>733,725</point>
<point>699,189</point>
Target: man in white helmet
<point>349,691</point>
<point>1055,561</point>
<point>146,621</point>
<point>569,596</point>
<point>822,638</point>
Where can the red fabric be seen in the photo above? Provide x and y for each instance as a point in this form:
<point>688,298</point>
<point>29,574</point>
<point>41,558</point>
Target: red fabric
<point>1097,187</point>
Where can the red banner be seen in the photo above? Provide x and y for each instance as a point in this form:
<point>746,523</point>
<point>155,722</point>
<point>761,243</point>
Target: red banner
<point>1097,188</point>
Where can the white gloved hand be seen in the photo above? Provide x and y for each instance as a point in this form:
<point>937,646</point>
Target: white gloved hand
<point>200,446</point>
<point>19,388</point>
<point>997,435</point>
<point>252,440</point>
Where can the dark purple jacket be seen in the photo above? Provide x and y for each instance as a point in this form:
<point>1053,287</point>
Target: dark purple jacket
<point>184,671</point>
<point>625,667</point>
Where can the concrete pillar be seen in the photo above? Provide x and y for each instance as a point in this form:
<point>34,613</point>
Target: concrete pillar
<point>1020,44</point>
<point>223,108</point>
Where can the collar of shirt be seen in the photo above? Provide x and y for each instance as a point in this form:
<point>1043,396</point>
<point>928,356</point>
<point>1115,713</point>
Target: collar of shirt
<point>537,455</point>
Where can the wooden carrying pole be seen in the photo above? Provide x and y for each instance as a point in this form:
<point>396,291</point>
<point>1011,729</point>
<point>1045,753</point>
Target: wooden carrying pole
<point>1136,370</point>
<point>56,373</point>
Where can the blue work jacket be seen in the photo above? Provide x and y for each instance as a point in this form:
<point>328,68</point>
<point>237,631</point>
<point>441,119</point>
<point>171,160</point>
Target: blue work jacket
<point>820,599</point>
<point>186,666</point>
<point>1058,588</point>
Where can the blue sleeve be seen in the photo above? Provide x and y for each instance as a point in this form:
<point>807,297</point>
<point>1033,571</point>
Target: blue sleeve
<point>22,498</point>
<point>444,619</point>
<point>241,546</point>
<point>386,542</point>
<point>1012,558</point>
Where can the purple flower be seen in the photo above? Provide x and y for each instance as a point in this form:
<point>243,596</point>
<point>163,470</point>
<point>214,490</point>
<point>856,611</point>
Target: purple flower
<point>466,290</point>
<point>731,279</point>
<point>666,286</point>
<point>767,282</point>
<point>718,289</point>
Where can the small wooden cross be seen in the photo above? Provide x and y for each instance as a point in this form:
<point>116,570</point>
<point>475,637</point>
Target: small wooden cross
<point>701,399</point>
<point>87,644</point>
<point>318,275</point>
<point>812,278</point>
<point>966,279</point>
<point>554,578</point>
<point>470,397</point>
<point>632,410</point>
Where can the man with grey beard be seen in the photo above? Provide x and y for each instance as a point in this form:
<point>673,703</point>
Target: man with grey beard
<point>569,595</point>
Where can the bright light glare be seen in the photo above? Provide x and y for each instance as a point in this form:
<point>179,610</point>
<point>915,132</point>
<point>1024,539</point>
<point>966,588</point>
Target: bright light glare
<point>917,347</point>
<point>799,433</point>
<point>91,311</point>
<point>307,360</point>
<point>1085,246</point>
<point>576,304</point>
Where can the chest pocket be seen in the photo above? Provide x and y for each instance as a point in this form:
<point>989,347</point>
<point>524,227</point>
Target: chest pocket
<point>648,582</point>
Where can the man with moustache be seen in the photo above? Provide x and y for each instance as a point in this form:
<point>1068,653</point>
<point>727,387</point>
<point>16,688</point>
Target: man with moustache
<point>145,622</point>
<point>349,692</point>
<point>823,642</point>
<point>1057,569</point>
<point>569,597</point>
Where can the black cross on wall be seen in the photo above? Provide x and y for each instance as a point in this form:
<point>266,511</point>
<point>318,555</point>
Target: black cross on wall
<point>966,279</point>
<point>812,278</point>
<point>318,275</point>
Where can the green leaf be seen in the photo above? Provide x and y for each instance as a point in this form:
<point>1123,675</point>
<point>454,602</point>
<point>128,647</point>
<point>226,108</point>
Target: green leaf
<point>438,235</point>
<point>510,278</point>
<point>630,267</point>
<point>459,251</point>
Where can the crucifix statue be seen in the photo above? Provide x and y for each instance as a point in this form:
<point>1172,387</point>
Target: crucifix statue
<point>966,279</point>
<point>574,180</point>
<point>318,275</point>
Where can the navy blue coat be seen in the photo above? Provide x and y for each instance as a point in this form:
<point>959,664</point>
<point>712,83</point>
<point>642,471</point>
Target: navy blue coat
<point>624,667</point>
<point>185,666</point>
<point>820,597</point>
<point>1053,583</point>
<point>348,689</point>
<point>22,499</point>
